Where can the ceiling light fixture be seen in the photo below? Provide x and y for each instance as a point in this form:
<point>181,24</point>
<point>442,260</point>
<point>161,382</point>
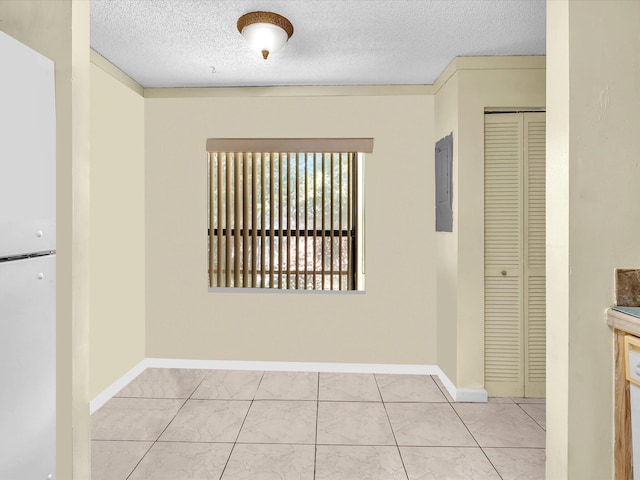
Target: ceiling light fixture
<point>265,32</point>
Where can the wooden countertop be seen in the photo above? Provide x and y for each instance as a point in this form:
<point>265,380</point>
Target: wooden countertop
<point>624,322</point>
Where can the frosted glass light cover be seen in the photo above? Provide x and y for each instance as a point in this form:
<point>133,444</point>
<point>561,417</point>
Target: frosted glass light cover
<point>264,36</point>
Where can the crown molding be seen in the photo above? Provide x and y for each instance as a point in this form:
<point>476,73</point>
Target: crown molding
<point>291,91</point>
<point>101,62</point>
<point>524,62</point>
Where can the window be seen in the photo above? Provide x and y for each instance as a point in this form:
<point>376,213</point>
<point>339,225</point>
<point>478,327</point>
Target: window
<point>286,214</point>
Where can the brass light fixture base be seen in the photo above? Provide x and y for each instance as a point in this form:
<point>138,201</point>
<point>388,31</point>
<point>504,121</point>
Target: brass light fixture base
<point>265,17</point>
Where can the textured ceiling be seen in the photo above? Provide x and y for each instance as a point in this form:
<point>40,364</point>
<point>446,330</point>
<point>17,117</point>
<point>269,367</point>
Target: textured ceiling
<point>194,43</point>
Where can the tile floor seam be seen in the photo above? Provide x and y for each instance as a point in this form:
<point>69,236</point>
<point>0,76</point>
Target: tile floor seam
<point>274,443</point>
<point>478,443</point>
<point>117,440</point>
<point>489,460</point>
<point>262,400</point>
<point>518,448</point>
<point>470,447</point>
<point>194,441</point>
<point>441,391</point>
<point>404,467</point>
<point>136,465</point>
<point>403,446</point>
<point>158,398</point>
<point>198,385</point>
<point>170,421</point>
<point>416,401</point>
<point>465,426</point>
<point>240,430</point>
<point>280,400</point>
<point>156,440</point>
<point>530,416</point>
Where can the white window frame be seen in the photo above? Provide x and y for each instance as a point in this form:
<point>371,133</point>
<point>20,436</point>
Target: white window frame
<point>357,146</point>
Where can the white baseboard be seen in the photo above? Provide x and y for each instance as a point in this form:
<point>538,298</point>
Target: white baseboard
<point>459,395</point>
<point>471,396</point>
<point>294,366</point>
<point>115,387</point>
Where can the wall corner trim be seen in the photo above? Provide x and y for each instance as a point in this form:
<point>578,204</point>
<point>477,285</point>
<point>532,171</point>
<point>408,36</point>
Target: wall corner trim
<point>460,395</point>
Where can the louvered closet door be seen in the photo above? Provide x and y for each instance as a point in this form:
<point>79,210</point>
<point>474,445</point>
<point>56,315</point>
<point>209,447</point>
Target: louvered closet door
<point>534,264</point>
<point>503,246</point>
<point>514,254</point>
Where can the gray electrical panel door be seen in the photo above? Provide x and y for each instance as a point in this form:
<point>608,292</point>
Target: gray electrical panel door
<point>444,184</point>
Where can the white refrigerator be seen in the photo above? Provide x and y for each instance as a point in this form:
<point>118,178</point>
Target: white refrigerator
<point>27,263</point>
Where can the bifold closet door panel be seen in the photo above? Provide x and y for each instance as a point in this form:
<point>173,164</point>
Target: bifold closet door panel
<point>503,251</point>
<point>535,254</point>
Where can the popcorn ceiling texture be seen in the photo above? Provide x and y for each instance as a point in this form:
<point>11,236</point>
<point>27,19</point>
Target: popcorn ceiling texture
<point>174,43</point>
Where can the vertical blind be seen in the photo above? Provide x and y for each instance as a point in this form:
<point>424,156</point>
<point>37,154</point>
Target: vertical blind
<point>283,220</point>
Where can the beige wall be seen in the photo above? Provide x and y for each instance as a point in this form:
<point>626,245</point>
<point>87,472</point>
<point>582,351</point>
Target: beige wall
<point>60,31</point>
<point>594,165</point>
<point>393,322</point>
<point>475,84</point>
<point>449,334</point>
<point>117,230</point>
<point>446,122</point>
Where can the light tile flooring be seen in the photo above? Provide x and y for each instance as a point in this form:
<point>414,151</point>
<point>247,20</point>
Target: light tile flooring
<point>175,424</point>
